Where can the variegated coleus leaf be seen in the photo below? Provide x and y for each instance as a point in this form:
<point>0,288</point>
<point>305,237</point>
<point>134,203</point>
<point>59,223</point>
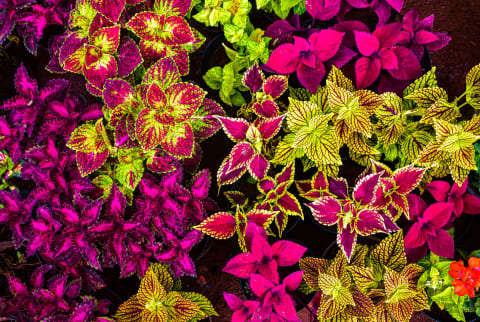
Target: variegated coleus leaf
<point>249,153</point>
<point>274,196</point>
<point>163,36</point>
<point>91,145</point>
<point>310,134</point>
<point>353,214</point>
<point>454,143</point>
<point>395,186</point>
<point>157,301</point>
<point>224,225</point>
<point>315,188</point>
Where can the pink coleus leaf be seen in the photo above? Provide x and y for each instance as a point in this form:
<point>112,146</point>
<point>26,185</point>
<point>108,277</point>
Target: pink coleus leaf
<point>270,127</point>
<point>176,31</point>
<point>323,9</point>
<point>258,167</point>
<point>242,265</point>
<point>275,86</point>
<point>129,57</point>
<point>387,35</point>
<point>416,236</point>
<point>471,204</point>
<point>407,179</point>
<point>107,39</point>
<point>117,92</point>
<point>285,58</point>
<point>346,239</point>
<point>110,9</point>
<point>287,253</point>
<point>408,65</point>
<point>367,43</point>
<point>24,85</point>
<point>186,99</point>
<point>178,140</point>
<point>201,183</point>
<point>101,67</point>
<point>225,175</point>
<point>204,123</point>
<point>438,214</point>
<point>260,285</point>
<point>326,210</point>
<point>149,131</point>
<point>293,280</point>
<point>365,187</point>
<point>164,71</point>
<point>438,189</point>
<point>369,222</point>
<point>367,71</point>
<point>157,100</point>
<point>235,128</point>
<point>325,44</point>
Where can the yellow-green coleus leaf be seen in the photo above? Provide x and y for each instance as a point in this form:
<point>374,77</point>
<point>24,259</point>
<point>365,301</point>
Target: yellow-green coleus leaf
<point>88,138</point>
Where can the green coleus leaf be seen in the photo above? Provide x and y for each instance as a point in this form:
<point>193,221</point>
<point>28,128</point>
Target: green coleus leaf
<point>81,18</point>
<point>473,80</point>
<point>332,286</point>
<point>426,81</point>
<point>204,304</point>
<point>390,253</point>
<point>414,144</point>
<point>235,34</point>
<point>179,308</point>
<point>285,153</point>
<point>391,125</point>
<point>451,302</point>
<point>300,113</point>
<point>425,97</point>
<point>214,77</point>
<point>441,109</point>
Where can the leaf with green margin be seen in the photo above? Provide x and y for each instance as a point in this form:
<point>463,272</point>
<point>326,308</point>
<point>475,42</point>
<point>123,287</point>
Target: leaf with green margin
<point>104,182</point>
<point>451,302</point>
<point>221,225</point>
<point>149,131</point>
<point>178,141</point>
<point>390,252</point>
<point>107,39</point>
<point>129,174</point>
<point>473,79</point>
<point>88,138</point>
<point>164,72</point>
<point>300,94</point>
<point>307,135</point>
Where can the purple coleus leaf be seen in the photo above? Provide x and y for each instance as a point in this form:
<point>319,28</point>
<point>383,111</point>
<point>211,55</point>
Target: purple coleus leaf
<point>462,201</point>
<point>111,10</point>
<point>428,229</point>
<point>282,31</point>
<point>418,34</point>
<point>323,9</point>
<point>15,213</point>
<point>10,11</point>
<point>244,310</point>
<point>129,57</point>
<point>382,8</point>
<point>306,57</point>
<point>265,258</point>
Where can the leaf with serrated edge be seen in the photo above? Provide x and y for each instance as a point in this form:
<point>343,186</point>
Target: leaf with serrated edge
<point>390,252</point>
<point>221,225</point>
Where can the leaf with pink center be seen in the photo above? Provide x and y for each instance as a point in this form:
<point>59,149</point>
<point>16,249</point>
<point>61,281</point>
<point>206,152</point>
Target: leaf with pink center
<point>129,57</point>
<point>101,68</point>
<point>346,240</point>
<point>204,123</point>
<point>323,10</point>
<point>365,187</point>
<point>266,108</point>
<point>107,39</point>
<point>157,99</point>
<point>290,205</point>
<point>293,280</point>
<point>253,78</point>
<point>260,285</point>
<point>270,127</point>
<point>149,131</point>
<point>164,71</point>
<point>89,162</point>
<point>24,85</point>
<point>221,225</point>
<point>225,175</point>
<point>178,140</point>
<point>241,155</point>
<point>369,222</point>
<point>275,86</point>
<point>110,9</point>
<point>71,44</point>
<point>186,98</point>
<point>176,31</point>
<point>235,128</point>
<point>117,92</point>
<point>326,210</point>
<point>258,167</point>
<point>146,25</point>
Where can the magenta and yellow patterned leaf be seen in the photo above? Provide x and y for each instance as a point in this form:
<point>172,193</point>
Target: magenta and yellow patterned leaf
<point>129,57</point>
<point>204,123</point>
<point>221,225</point>
<point>365,186</point>
<point>326,210</point>
<point>225,175</point>
<point>107,39</point>
<point>275,85</point>
<point>369,222</point>
<point>110,9</point>
<point>289,204</point>
<point>269,127</point>
<point>258,166</point>
<point>253,78</point>
<point>426,97</point>
<point>149,132</point>
<point>146,25</point>
<point>262,218</point>
<point>75,62</point>
<point>235,128</point>
<point>175,31</point>
<point>89,162</point>
<point>130,311</point>
<point>346,239</point>
<point>180,309</point>
<point>390,253</point>
<point>164,71</point>
<point>407,178</point>
<point>129,174</point>
<point>178,140</point>
<point>116,92</point>
<point>99,67</point>
<point>88,138</point>
<point>186,98</point>
<point>241,155</point>
<point>157,100</point>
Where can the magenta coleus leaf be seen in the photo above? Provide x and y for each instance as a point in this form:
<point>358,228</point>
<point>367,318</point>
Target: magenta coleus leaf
<point>323,9</point>
<point>129,57</point>
<point>164,72</point>
<point>110,9</point>
<point>235,128</point>
<point>117,92</point>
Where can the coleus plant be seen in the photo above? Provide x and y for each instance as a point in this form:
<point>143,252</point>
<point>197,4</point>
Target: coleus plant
<point>270,294</point>
<point>161,112</point>
<point>249,151</point>
<point>161,299</point>
<point>93,46</point>
<point>31,18</point>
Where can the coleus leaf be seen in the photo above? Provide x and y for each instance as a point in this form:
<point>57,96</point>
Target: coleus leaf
<point>88,138</point>
<point>110,10</point>
<point>221,225</point>
<point>390,252</point>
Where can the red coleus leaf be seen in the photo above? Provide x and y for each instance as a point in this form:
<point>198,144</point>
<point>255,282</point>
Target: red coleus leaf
<point>347,239</point>
<point>242,265</point>
<point>442,244</point>
<point>270,127</point>
<point>241,155</point>
<point>221,225</point>
<point>364,189</point>
<point>179,140</point>
<point>110,9</point>
<point>326,210</point>
<point>366,71</point>
<point>323,9</point>
<point>253,78</point>
<point>117,92</point>
<point>186,98</point>
<point>146,25</point>
<point>407,179</point>
<point>275,85</point>
<point>438,214</point>
<point>258,166</point>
